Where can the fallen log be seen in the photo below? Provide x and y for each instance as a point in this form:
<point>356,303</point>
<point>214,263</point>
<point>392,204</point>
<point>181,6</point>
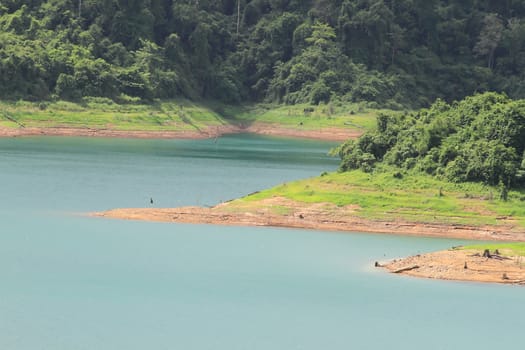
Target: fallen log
<point>405,269</point>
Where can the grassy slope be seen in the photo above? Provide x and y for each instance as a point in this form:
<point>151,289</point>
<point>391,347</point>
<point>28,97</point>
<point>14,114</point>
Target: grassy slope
<point>180,115</point>
<point>415,198</point>
<point>165,116</point>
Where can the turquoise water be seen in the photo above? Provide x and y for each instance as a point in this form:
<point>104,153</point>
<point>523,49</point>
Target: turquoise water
<point>72,282</point>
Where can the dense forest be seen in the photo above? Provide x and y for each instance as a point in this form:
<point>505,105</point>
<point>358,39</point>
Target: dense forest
<point>478,139</point>
<point>392,53</point>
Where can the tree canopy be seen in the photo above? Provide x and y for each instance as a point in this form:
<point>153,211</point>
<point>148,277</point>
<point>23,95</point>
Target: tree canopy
<point>481,139</point>
<point>394,53</point>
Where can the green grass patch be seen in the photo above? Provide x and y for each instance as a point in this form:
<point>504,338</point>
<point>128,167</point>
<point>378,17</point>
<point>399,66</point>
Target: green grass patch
<point>514,207</point>
<point>99,113</point>
<point>181,115</point>
<point>308,117</point>
<point>415,197</point>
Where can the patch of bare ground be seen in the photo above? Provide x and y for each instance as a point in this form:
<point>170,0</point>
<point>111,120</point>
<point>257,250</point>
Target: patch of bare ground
<point>327,134</point>
<point>330,134</point>
<point>109,132</point>
<point>462,265</point>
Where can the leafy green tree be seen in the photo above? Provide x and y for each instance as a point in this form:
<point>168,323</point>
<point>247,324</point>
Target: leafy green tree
<point>132,22</point>
<point>480,138</point>
<point>394,53</point>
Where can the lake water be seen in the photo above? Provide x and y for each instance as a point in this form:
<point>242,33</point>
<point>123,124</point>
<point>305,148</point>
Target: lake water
<point>72,282</point>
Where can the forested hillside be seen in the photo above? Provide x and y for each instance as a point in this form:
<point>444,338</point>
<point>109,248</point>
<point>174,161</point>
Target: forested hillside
<point>396,53</point>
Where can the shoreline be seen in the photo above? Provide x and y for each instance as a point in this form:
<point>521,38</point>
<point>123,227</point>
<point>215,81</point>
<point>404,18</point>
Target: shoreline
<point>326,134</point>
<point>324,217</point>
<point>109,133</point>
<point>444,265</point>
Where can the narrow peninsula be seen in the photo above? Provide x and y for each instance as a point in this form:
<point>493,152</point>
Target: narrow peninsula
<point>454,171</point>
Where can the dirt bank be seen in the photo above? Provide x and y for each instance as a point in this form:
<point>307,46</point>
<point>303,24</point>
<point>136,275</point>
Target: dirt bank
<point>94,132</point>
<point>281,212</point>
<point>328,134</point>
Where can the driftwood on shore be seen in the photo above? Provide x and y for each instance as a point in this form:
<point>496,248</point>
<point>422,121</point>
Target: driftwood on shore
<point>405,269</point>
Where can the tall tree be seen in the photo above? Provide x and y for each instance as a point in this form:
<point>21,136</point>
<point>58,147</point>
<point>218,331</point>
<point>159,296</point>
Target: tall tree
<point>489,38</point>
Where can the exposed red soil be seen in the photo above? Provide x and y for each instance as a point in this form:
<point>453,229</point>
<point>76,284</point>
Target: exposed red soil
<point>94,132</point>
<point>328,134</point>
<point>318,216</point>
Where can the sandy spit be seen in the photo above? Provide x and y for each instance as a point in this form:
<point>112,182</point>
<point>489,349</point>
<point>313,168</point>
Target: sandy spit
<point>461,265</point>
<point>319,216</point>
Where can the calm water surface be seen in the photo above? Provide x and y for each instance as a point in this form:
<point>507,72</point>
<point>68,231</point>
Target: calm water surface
<point>72,282</point>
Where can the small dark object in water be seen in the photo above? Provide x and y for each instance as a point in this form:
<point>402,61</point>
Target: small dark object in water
<point>151,200</point>
<point>377,264</point>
